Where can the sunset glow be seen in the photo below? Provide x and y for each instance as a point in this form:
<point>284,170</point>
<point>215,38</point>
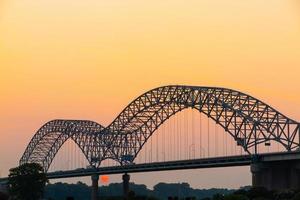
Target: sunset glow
<point>104,179</point>
<point>88,59</point>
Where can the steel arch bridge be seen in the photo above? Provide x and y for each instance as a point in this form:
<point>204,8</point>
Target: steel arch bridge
<point>248,120</point>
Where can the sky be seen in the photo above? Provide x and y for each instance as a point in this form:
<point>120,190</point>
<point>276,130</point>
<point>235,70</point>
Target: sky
<point>88,59</point>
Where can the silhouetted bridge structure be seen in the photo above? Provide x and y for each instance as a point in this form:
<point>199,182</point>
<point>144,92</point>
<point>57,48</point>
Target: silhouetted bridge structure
<point>228,161</point>
<point>250,122</point>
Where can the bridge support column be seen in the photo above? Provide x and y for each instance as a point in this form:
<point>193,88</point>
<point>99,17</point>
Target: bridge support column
<point>126,178</point>
<point>95,186</point>
<point>277,175</point>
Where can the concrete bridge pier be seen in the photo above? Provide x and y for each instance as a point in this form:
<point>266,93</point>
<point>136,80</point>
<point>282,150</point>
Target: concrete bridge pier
<point>126,178</point>
<point>95,186</point>
<point>277,175</point>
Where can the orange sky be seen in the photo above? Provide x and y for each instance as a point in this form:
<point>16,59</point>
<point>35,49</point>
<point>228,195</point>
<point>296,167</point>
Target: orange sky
<point>89,59</point>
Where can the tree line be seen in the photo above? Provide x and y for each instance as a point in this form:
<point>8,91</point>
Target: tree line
<point>29,182</point>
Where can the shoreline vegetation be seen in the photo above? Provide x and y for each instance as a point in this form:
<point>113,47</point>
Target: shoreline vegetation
<point>165,191</point>
<point>161,191</point>
<point>114,190</point>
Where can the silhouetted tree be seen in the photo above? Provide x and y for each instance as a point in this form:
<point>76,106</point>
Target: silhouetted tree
<point>242,192</point>
<point>259,192</point>
<point>218,197</point>
<point>131,195</point>
<point>284,195</point>
<point>3,196</point>
<point>297,196</point>
<point>235,197</point>
<point>27,182</point>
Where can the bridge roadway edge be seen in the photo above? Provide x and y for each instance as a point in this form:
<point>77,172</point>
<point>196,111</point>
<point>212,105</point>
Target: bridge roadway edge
<point>270,170</point>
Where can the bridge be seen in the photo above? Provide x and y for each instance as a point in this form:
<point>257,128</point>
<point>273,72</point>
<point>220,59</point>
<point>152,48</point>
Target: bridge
<point>255,162</point>
<point>232,115</point>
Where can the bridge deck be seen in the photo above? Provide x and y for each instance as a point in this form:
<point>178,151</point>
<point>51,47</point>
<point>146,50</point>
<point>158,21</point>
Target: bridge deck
<point>158,166</point>
<point>228,161</point>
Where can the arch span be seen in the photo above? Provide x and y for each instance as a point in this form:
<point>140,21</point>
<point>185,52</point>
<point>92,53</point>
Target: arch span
<point>248,120</point>
<point>50,137</point>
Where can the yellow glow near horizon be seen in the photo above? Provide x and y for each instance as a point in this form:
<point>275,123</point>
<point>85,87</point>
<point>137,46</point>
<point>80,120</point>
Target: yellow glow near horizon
<point>89,59</point>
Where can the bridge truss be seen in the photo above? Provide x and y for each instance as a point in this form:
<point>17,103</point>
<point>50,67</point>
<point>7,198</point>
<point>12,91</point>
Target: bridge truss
<point>248,120</point>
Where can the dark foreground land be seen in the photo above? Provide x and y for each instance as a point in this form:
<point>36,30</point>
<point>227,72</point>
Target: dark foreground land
<point>161,191</point>
<point>165,191</point>
<point>115,191</point>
